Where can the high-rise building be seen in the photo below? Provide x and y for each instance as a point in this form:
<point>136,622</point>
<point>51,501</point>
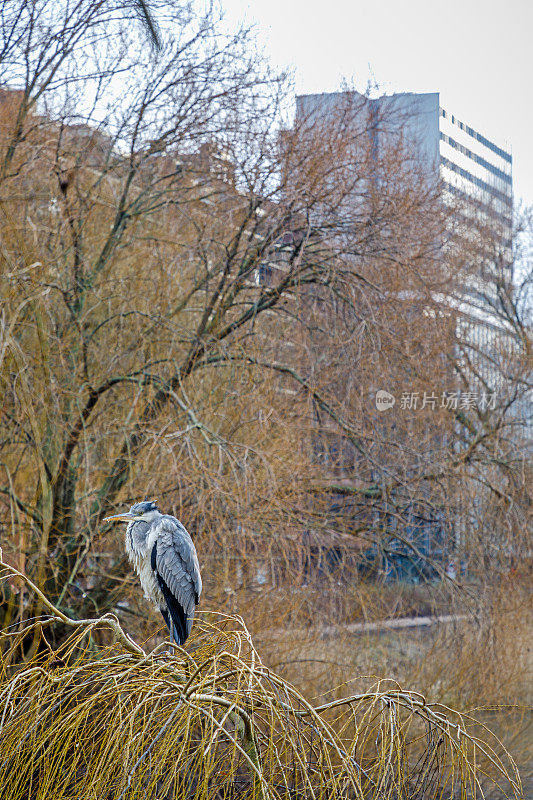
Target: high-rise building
<point>476,178</point>
<point>468,162</point>
<point>473,177</point>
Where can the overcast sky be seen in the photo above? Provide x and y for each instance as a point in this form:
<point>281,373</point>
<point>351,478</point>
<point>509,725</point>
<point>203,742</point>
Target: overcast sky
<point>478,55</point>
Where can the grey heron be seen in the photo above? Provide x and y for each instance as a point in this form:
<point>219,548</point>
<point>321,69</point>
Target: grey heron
<point>165,559</point>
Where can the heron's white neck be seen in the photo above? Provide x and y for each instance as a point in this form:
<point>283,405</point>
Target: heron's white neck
<point>137,534</point>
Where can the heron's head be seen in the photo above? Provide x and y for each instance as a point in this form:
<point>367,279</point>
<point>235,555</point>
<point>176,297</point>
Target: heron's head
<point>146,511</point>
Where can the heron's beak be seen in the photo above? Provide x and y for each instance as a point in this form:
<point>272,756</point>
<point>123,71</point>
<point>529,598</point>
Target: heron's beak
<point>126,517</point>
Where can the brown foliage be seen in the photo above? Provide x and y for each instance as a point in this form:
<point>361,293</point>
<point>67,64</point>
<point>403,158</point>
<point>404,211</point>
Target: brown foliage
<point>198,308</point>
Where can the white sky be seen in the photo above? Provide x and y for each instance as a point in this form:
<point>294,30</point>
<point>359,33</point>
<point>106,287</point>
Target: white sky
<point>477,53</point>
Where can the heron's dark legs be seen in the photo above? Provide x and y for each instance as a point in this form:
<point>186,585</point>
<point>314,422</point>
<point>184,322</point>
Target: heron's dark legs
<point>170,625</point>
<point>171,634</point>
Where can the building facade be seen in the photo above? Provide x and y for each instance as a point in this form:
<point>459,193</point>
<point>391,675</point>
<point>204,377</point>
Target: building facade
<point>475,176</point>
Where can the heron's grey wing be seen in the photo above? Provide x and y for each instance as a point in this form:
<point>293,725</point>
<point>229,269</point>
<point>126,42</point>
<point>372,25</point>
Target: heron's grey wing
<point>173,611</point>
<point>176,562</point>
<point>183,546</point>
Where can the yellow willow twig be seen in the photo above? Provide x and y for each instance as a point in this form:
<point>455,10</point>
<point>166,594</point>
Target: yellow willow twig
<point>106,621</point>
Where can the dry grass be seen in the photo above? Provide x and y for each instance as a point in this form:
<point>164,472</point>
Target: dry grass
<point>113,722</point>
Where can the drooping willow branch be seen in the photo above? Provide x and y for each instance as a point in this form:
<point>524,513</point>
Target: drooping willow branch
<point>106,621</point>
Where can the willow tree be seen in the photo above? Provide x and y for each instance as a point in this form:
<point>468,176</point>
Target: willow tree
<point>143,197</point>
<point>189,291</point>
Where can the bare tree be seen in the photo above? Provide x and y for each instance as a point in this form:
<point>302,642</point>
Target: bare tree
<point>138,219</point>
<point>196,309</point>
